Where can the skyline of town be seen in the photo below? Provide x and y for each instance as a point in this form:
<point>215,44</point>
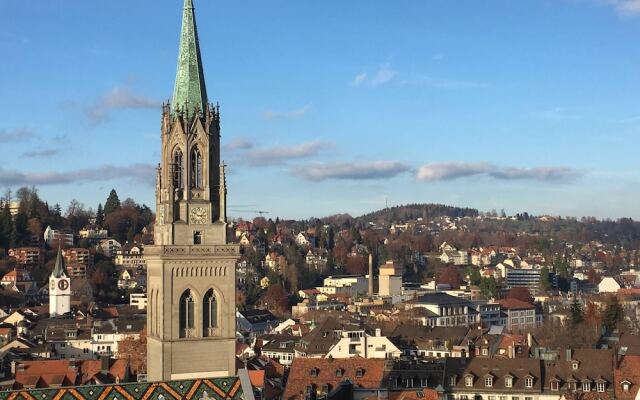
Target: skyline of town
<point>303,108</point>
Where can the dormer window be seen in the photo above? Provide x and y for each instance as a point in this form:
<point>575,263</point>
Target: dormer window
<point>452,380</point>
<point>555,385</point>
<point>488,381</point>
<point>508,381</point>
<point>359,373</point>
<point>601,386</point>
<point>528,382</point>
<point>575,365</point>
<point>626,385</point>
<point>586,386</point>
<point>468,381</point>
<point>313,372</point>
<point>485,351</point>
<point>339,373</point>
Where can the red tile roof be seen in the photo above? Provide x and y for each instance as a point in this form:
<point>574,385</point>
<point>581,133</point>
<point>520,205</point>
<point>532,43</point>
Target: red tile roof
<point>514,304</point>
<point>629,370</point>
<point>322,371</point>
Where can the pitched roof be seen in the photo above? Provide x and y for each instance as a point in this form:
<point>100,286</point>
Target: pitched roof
<point>628,370</point>
<point>514,304</point>
<point>324,373</point>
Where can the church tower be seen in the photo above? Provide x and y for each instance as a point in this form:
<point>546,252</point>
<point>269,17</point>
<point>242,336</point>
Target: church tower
<point>59,289</point>
<point>191,322</point>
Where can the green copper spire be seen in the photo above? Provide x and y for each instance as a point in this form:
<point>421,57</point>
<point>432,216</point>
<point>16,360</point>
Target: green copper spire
<point>190,93</point>
<point>59,269</point>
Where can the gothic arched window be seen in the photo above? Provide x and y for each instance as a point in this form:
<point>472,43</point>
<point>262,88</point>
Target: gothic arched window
<point>177,169</point>
<point>210,314</point>
<point>187,313</point>
<point>196,168</point>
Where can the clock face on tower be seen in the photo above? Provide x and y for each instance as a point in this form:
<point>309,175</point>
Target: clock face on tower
<point>63,284</point>
<point>198,215</point>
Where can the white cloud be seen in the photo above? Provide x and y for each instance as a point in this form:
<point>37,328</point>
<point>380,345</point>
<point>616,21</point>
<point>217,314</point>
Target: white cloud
<point>16,135</point>
<point>451,170</point>
<point>360,79</point>
<point>143,173</point>
<point>353,171</point>
<point>443,83</point>
<point>41,153</point>
<point>281,154</point>
<point>287,114</point>
<point>383,75</point>
<point>628,8</point>
<point>120,97</point>
<point>238,144</point>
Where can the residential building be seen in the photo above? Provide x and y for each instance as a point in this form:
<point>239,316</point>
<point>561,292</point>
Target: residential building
<point>390,280</point>
<point>455,257</point>
<point>56,238</point>
<point>609,285</point>
<point>18,279</point>
<point>27,257</point>
<point>63,373</point>
<point>138,300</point>
<point>445,310</point>
<point>256,321</point>
<point>109,247</point>
<point>130,256</point>
<point>77,261</point>
<point>280,348</point>
<point>106,335</point>
<point>93,233</point>
<point>520,315</point>
<point>315,378</point>
<point>526,277</point>
<point>358,343</point>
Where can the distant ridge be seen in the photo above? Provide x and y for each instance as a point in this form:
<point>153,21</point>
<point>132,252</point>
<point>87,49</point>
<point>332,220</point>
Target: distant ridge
<point>403,213</point>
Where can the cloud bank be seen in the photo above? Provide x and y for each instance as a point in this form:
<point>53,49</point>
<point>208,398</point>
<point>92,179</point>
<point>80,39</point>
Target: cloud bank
<point>120,97</point>
<point>281,154</point>
<point>142,173</point>
<point>447,171</point>
<point>16,135</point>
<point>275,115</point>
<point>353,171</point>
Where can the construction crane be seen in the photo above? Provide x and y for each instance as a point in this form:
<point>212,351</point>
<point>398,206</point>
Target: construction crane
<point>261,212</point>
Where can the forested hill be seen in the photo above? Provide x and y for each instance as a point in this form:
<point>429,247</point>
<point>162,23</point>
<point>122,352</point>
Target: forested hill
<point>413,211</point>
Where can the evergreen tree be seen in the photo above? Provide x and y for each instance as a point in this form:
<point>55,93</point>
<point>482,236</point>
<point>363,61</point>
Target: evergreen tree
<point>6,226</point>
<point>577,313</point>
<point>19,234</point>
<point>545,280</point>
<point>99,215</point>
<point>488,287</point>
<point>613,314</point>
<point>112,203</point>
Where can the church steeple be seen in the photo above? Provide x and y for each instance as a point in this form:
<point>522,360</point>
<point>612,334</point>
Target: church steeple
<point>190,93</point>
<point>59,269</point>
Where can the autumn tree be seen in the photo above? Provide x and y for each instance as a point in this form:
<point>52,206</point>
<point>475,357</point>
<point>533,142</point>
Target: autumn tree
<point>134,350</point>
<point>276,299</point>
<point>356,265</point>
<point>450,276</point>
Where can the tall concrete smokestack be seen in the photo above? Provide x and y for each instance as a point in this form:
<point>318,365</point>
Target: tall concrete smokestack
<point>370,274</point>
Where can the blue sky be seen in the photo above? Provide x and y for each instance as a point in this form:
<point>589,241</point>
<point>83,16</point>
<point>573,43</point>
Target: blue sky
<point>335,106</point>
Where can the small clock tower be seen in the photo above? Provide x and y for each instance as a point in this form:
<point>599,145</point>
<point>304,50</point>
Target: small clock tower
<point>59,289</point>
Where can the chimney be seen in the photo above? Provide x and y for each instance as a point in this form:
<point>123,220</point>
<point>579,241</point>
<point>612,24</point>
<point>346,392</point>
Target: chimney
<point>529,340</point>
<point>568,354</point>
<point>370,274</point>
<point>463,357</point>
<point>512,352</point>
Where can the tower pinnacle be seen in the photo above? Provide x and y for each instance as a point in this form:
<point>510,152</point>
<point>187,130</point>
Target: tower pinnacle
<point>190,93</point>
